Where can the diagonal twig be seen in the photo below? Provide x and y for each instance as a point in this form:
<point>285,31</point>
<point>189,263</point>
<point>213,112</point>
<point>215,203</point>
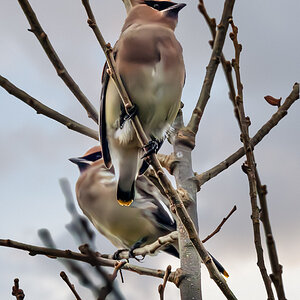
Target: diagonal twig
<point>40,108</point>
<point>55,60</point>
<point>220,225</point>
<point>261,133</point>
<point>65,278</point>
<point>166,184</point>
<point>249,167</point>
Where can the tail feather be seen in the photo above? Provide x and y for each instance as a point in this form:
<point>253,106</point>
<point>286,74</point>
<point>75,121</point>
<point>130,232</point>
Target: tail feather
<point>125,198</point>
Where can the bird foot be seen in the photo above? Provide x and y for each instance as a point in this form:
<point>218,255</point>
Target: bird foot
<point>131,113</point>
<point>151,148</point>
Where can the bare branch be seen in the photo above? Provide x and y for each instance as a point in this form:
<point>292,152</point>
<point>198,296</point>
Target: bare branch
<point>220,225</point>
<point>40,108</point>
<point>65,278</point>
<point>98,261</point>
<point>55,60</point>
<point>16,291</point>
<point>261,133</point>
<point>211,68</point>
<point>249,167</point>
<point>161,287</point>
<point>276,275</point>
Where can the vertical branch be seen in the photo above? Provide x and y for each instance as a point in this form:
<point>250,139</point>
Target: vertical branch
<point>249,166</point>
<point>190,261</point>
<point>276,275</point>
<point>55,60</point>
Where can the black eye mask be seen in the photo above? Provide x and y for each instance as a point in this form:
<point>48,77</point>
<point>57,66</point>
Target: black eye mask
<point>159,5</point>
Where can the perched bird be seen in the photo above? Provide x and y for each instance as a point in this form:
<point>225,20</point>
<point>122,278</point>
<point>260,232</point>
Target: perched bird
<point>150,63</point>
<point>128,227</point>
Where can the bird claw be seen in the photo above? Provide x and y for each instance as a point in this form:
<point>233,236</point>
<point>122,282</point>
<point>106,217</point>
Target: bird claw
<point>131,113</point>
<point>151,148</point>
<point>116,255</point>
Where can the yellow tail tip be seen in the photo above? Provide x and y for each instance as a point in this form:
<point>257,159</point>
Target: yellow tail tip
<point>225,274</point>
<point>125,203</point>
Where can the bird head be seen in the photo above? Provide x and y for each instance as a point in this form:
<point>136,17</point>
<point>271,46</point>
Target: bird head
<point>91,157</point>
<point>154,11</point>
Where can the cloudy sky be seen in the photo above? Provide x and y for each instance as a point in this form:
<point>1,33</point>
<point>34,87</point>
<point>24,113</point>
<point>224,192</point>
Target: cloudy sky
<point>35,149</point>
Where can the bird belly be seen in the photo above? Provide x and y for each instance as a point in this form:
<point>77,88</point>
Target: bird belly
<point>157,96</point>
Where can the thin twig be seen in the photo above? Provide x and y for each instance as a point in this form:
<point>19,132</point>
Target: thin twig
<point>261,133</point>
<point>118,266</point>
<point>249,167</point>
<point>40,108</point>
<point>276,275</point>
<point>65,278</point>
<point>16,291</point>
<point>55,60</point>
<point>161,287</point>
<point>165,182</point>
<point>220,225</point>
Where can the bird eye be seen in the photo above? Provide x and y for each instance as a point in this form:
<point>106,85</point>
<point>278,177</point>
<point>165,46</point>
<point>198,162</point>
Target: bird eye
<point>156,6</point>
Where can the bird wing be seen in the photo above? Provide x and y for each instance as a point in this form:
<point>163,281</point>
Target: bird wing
<point>103,135</point>
<point>152,203</point>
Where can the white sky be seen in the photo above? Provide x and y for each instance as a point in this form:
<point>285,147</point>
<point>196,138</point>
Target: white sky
<point>35,149</point>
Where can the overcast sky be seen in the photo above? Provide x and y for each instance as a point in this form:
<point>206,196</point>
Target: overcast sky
<point>35,149</point>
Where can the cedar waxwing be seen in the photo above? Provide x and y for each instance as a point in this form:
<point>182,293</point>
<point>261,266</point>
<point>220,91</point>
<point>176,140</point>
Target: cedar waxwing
<point>150,63</point>
<point>128,227</point>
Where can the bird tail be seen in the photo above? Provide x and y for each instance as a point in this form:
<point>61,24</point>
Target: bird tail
<point>128,163</point>
<point>220,267</point>
<point>124,197</point>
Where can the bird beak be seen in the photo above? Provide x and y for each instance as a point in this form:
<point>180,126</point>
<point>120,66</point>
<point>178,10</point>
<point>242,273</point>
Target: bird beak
<point>174,9</point>
<point>76,160</point>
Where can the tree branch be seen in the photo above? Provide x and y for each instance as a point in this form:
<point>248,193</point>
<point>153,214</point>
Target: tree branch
<point>161,287</point>
<point>220,225</point>
<point>55,60</point>
<point>261,133</point>
<point>16,291</point>
<point>250,166</point>
<point>98,261</point>
<point>65,278</point>
<point>40,108</point>
<point>276,275</point>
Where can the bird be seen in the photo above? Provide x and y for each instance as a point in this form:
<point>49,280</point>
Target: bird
<point>150,62</point>
<point>126,227</point>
